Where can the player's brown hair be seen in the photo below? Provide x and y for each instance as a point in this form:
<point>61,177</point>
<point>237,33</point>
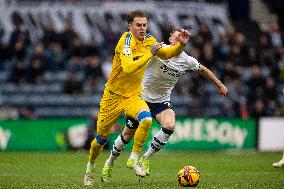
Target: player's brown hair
<point>174,30</point>
<point>136,13</point>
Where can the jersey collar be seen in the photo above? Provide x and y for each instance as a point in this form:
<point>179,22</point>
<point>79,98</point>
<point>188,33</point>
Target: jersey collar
<point>136,39</point>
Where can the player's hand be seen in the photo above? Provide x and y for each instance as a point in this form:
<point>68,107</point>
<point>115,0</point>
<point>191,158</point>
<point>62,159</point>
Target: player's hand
<point>155,47</point>
<point>183,37</point>
<point>223,90</point>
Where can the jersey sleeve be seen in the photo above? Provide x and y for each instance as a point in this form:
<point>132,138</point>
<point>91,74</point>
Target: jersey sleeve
<point>194,65</point>
<point>169,51</point>
<point>128,64</point>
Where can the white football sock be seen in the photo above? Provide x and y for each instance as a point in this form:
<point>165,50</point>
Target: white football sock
<point>159,140</point>
<point>118,146</point>
<point>134,155</point>
<point>90,165</point>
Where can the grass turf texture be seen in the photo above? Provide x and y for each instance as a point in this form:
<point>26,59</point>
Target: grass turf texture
<point>66,170</point>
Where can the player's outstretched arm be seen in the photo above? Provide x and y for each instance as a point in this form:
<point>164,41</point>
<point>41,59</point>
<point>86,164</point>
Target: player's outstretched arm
<point>172,51</point>
<point>209,75</point>
<point>129,65</point>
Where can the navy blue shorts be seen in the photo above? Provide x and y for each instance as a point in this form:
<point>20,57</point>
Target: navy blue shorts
<point>155,109</point>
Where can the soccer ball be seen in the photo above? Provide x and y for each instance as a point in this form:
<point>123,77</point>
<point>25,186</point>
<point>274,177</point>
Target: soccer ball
<point>188,176</point>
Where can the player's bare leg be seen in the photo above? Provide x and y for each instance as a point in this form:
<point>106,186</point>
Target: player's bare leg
<point>167,119</point>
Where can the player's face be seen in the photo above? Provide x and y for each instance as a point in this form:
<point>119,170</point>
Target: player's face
<point>173,38</point>
<point>138,27</point>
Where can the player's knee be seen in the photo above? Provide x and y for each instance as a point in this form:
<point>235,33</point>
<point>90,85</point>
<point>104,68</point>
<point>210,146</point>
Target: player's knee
<point>168,121</point>
<point>131,123</point>
<point>170,125</point>
<point>102,140</point>
<point>145,117</point>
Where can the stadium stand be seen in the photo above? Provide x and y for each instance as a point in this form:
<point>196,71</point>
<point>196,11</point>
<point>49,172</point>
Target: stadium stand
<point>58,61</point>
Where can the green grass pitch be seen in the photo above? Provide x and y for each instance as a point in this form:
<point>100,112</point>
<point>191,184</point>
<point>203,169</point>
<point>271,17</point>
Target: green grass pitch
<point>66,170</point>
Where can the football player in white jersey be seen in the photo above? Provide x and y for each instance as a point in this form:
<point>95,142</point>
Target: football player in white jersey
<point>159,79</point>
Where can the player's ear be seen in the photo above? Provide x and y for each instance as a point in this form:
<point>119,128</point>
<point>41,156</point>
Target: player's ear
<point>129,26</point>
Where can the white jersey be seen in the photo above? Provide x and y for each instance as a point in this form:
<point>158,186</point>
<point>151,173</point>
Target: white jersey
<point>161,76</point>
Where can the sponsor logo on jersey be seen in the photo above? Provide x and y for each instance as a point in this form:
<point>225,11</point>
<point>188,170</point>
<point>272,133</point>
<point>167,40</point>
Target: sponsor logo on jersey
<point>136,58</point>
<point>169,71</point>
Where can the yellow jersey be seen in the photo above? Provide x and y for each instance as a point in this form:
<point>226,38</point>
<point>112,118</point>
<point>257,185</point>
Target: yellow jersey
<point>130,60</point>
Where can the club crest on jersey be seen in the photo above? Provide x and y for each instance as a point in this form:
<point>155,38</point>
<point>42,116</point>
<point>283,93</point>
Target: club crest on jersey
<point>126,50</point>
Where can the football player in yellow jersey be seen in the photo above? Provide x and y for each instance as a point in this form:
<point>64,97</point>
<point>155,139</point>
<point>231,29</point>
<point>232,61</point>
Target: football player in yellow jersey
<point>121,95</point>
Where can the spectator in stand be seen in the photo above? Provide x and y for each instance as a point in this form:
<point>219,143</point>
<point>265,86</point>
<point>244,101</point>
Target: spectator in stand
<point>93,73</point>
<point>265,49</point>
<point>271,108</point>
<point>93,68</point>
<point>258,109</point>
<point>110,39</point>
<point>107,66</point>
<point>255,85</point>
<point>270,90</point>
<point>280,64</point>
<point>41,54</point>
<point>76,64</point>
<point>50,35</point>
<point>223,48</point>
<point>77,48</point>
<point>166,28</point>
<point>57,57</point>
<point>228,109</point>
<point>92,48</point>
<point>276,37</point>
<point>236,55</point>
<point>208,56</point>
<point>72,85</point>
<point>198,42</point>
<point>19,49</point>
<point>229,72</point>
<point>8,112</point>
<point>252,58</point>
<point>36,71</point>
<point>4,50</point>
<point>204,31</point>
<point>2,32</point>
<point>18,73</point>
<point>27,112</point>
<point>20,38</point>
<point>67,35</point>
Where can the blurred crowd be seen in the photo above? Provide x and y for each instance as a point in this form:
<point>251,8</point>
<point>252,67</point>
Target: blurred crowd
<point>251,68</point>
